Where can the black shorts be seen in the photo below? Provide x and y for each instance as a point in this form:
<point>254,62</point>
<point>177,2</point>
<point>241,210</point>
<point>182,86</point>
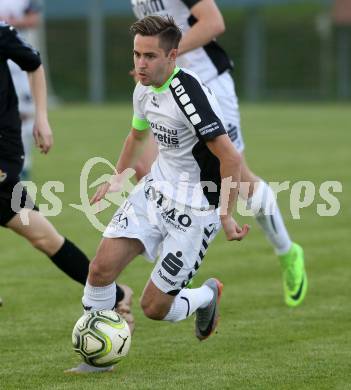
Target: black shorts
<point>9,178</point>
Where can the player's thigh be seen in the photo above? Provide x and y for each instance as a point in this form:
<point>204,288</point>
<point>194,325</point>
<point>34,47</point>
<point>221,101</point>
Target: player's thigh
<point>112,256</point>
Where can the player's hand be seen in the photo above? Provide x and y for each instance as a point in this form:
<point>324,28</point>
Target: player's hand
<point>232,230</point>
<point>100,193</point>
<point>43,135</point>
<point>115,184</point>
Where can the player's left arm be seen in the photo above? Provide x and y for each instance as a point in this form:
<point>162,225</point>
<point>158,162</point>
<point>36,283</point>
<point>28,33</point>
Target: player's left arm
<point>230,163</point>
<point>210,24</point>
<point>28,59</point>
<point>42,131</point>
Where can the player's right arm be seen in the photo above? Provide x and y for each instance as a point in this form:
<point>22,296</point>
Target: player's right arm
<point>209,25</point>
<point>131,152</point>
<point>230,163</point>
<point>132,148</point>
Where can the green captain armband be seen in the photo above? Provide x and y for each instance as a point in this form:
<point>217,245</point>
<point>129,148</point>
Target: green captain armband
<point>140,124</point>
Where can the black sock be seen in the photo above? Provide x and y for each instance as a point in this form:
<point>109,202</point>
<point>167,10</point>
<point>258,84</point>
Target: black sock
<point>119,294</point>
<point>72,261</point>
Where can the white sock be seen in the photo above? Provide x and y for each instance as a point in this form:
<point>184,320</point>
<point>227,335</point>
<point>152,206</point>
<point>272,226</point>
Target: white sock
<point>187,301</point>
<point>264,205</point>
<point>99,298</point>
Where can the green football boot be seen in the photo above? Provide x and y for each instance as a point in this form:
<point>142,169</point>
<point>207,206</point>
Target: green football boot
<point>294,275</point>
<point>190,284</point>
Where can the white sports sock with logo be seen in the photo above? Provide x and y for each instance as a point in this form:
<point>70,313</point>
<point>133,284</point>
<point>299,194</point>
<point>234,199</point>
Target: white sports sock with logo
<point>187,301</point>
<point>264,205</point>
<point>99,298</point>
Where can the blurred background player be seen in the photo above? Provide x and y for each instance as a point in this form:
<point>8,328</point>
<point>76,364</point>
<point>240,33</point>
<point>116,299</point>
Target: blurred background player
<point>25,16</point>
<point>38,231</point>
<point>201,22</point>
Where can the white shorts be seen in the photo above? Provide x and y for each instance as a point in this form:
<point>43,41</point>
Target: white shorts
<point>224,89</point>
<point>173,235</point>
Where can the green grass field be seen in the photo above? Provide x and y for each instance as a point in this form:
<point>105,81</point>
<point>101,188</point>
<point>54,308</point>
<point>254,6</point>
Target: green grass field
<point>260,344</point>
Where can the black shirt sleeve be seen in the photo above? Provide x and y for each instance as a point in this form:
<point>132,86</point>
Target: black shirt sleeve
<point>195,105</point>
<point>12,47</point>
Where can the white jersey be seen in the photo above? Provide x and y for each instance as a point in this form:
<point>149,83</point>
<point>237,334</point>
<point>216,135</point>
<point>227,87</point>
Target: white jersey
<point>183,114</point>
<point>208,61</point>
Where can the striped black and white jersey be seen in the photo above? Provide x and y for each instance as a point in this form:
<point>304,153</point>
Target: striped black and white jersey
<point>208,61</point>
<point>183,115</point>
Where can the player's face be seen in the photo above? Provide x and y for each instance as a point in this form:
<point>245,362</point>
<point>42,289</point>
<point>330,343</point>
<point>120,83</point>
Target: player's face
<point>152,65</point>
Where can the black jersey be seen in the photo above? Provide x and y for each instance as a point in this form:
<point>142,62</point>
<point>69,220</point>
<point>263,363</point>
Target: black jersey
<point>14,48</point>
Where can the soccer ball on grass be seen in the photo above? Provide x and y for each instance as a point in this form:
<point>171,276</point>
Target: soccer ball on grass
<point>102,338</point>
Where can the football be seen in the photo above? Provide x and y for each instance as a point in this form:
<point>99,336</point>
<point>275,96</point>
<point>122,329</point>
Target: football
<point>102,338</point>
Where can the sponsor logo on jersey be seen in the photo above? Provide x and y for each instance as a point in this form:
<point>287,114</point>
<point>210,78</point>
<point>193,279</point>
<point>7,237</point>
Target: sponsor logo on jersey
<point>185,101</point>
<point>164,136</point>
<point>148,7</point>
<point>209,128</point>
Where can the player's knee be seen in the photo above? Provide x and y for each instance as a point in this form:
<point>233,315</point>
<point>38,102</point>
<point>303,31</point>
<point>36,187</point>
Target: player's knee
<point>47,243</point>
<point>152,310</point>
<point>40,243</point>
<point>98,272</point>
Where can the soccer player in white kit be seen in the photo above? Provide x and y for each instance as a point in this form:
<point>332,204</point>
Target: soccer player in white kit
<point>173,214</point>
<point>24,15</point>
<point>201,22</point>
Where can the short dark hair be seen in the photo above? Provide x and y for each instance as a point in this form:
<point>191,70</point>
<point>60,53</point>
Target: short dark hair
<point>164,27</point>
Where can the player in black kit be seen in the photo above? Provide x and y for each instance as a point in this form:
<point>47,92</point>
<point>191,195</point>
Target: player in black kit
<point>38,231</point>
